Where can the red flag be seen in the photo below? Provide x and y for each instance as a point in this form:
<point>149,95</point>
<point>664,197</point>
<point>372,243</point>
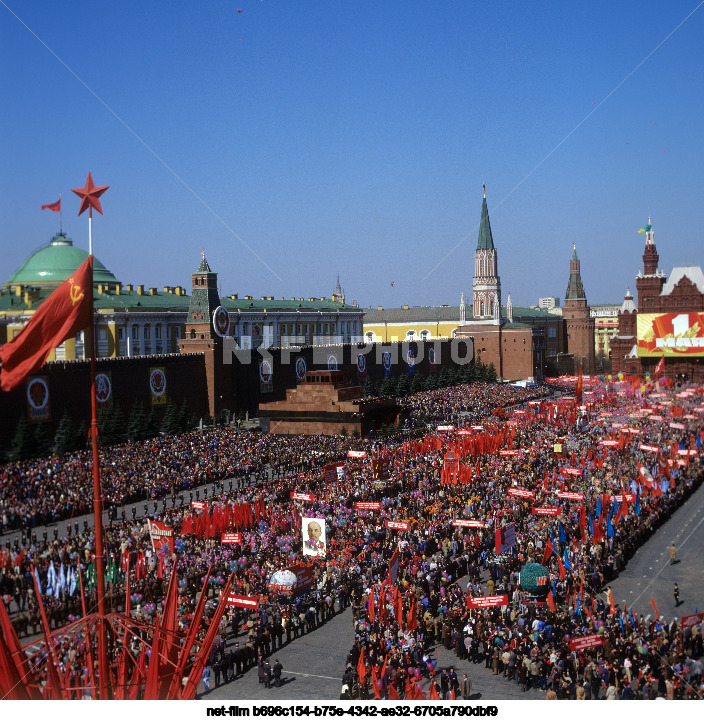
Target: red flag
<point>62,315</point>
<point>393,694</point>
<point>371,605</point>
<point>660,367</point>
<point>549,550</point>
<point>56,207</point>
<point>551,602</point>
<point>563,573</point>
<point>361,670</point>
<point>655,608</point>
<point>578,390</point>
<point>433,695</point>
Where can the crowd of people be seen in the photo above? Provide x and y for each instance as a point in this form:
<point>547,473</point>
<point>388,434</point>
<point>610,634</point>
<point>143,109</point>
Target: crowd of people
<point>403,613</point>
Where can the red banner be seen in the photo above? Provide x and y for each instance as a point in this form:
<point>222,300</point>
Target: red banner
<point>231,538</point>
<point>547,511</point>
<point>398,525</point>
<point>242,601</point>
<point>522,492</point>
<point>161,535</point>
<point>570,496</point>
<point>304,577</point>
<point>692,620</point>
<point>200,505</point>
<point>367,505</point>
<point>508,453</point>
<point>572,471</point>
<point>301,496</point>
<point>468,523</point>
<point>356,454</point>
<point>652,449</point>
<point>630,497</point>
<point>446,428</point>
<point>582,642</point>
<point>487,601</point>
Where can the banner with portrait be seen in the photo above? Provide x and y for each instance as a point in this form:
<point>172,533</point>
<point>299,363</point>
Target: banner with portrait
<point>505,538</point>
<point>301,369</point>
<point>313,534</point>
<point>361,368</point>
<point>266,376</point>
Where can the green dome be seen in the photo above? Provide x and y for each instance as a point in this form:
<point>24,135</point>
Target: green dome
<point>530,573</point>
<point>54,263</point>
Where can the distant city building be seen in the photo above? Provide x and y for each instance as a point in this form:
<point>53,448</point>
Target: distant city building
<point>549,302</point>
<point>605,318</point>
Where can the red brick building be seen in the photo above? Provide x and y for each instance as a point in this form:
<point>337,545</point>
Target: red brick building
<point>578,321</point>
<point>680,294</point>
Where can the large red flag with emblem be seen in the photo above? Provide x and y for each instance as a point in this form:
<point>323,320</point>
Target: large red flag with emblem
<point>578,390</point>
<point>62,315</point>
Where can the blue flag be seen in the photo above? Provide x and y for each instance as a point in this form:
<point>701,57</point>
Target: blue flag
<point>566,560</point>
<point>591,524</point>
<point>620,620</point>
<point>637,509</point>
<point>609,528</point>
<point>36,575</point>
<point>598,507</point>
<point>562,535</point>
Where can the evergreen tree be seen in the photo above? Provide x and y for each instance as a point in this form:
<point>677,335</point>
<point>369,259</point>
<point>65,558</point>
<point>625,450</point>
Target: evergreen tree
<point>42,442</point>
<point>480,371</point>
<point>470,372</point>
<point>491,373</point>
<point>185,421</point>
<point>137,424</point>
<point>65,438</point>
<point>417,384</point>
<point>118,430</point>
<point>81,438</point>
<point>343,432</point>
<point>355,433</point>
<point>370,387</point>
<point>23,442</point>
<point>387,387</point>
<point>152,425</point>
<point>402,386</point>
<point>170,422</point>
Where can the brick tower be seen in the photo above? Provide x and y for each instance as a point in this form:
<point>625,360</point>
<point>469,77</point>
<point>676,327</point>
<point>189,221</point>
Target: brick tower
<point>202,336</point>
<point>580,326</point>
<point>649,283</point>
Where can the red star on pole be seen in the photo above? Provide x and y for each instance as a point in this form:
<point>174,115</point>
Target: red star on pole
<point>90,196</point>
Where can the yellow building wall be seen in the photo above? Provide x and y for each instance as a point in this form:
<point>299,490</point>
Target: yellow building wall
<point>390,332</point>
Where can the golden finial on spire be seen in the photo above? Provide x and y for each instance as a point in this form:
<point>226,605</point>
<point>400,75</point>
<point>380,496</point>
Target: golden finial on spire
<point>484,189</point>
<point>202,252</point>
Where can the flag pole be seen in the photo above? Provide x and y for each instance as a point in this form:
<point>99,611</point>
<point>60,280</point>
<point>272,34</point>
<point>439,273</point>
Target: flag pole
<point>97,493</point>
<point>61,217</point>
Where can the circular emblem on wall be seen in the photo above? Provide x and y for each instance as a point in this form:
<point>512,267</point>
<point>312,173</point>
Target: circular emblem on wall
<point>300,368</point>
<point>361,362</point>
<point>431,356</point>
<point>265,371</point>
<point>386,359</point>
<point>157,382</point>
<point>221,321</point>
<point>332,363</point>
<point>37,393</point>
<point>103,388</point>
<point>410,357</point>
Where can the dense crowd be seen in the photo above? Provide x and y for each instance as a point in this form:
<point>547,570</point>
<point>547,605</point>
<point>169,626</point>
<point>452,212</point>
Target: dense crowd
<point>400,626</point>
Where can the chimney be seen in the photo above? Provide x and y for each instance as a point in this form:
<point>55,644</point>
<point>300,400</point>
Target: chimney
<point>140,290</point>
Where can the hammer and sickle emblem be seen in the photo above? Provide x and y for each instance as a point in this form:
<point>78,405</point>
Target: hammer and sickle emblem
<point>76,294</point>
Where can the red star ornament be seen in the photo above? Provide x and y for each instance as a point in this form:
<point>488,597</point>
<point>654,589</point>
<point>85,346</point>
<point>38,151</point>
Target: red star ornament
<point>90,196</point>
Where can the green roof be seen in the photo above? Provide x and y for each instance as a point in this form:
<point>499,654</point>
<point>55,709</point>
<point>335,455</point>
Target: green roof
<point>485,242</point>
<point>445,313</point>
<point>55,262</point>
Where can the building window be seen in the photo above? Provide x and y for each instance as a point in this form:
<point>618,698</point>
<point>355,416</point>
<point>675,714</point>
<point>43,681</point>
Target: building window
<point>411,335</point>
<point>121,334</point>
<point>135,332</point>
<point>146,332</point>
<point>157,332</point>
<point>424,334</point>
<point>102,333</point>
<point>371,336</point>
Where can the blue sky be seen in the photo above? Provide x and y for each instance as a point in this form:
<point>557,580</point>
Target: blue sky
<point>354,138</point>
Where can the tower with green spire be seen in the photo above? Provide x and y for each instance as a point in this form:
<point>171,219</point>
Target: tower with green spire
<point>486,284</point>
<point>204,300</point>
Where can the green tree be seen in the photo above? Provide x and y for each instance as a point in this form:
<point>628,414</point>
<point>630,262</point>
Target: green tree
<point>491,373</point>
<point>42,442</point>
<point>81,437</point>
<point>355,433</point>
<point>65,440</point>
<point>152,425</point>
<point>343,432</point>
<point>23,442</point>
<point>185,420</point>
<point>470,372</point>
<point>402,386</point>
<point>370,388</point>
<point>170,421</point>
<point>137,424</point>
<point>417,384</point>
<point>387,387</point>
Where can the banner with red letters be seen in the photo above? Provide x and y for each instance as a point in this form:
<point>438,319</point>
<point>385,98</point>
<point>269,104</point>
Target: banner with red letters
<point>570,495</point>
<point>446,428</point>
<point>242,601</point>
<point>468,523</point>
<point>161,535</point>
<point>199,505</point>
<point>356,454</point>
<point>301,496</point>
<point>652,449</point>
